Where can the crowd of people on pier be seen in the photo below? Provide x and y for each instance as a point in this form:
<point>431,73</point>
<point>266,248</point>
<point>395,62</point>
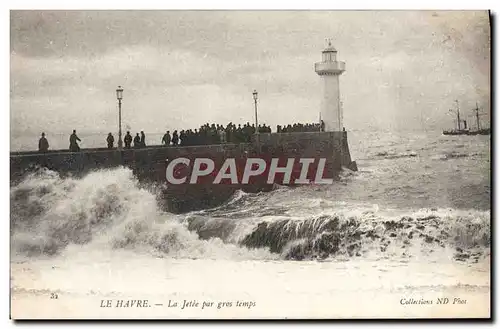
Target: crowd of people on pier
<point>299,127</point>
<point>213,134</point>
<point>206,134</point>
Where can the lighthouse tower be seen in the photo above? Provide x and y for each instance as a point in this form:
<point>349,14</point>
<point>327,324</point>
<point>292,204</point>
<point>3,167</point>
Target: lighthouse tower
<point>329,69</point>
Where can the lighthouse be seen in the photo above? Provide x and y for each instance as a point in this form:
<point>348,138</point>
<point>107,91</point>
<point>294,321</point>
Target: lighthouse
<point>329,69</point>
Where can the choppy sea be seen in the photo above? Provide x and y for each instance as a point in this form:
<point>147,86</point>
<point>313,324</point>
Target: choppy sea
<point>412,224</point>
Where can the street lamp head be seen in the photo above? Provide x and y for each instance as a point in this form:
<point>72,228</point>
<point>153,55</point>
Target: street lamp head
<point>255,94</point>
<point>119,93</point>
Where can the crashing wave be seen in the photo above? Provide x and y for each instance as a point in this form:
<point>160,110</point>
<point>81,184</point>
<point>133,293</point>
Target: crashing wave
<point>329,236</point>
<point>454,155</point>
<point>109,209</point>
<point>106,209</point>
<point>394,155</point>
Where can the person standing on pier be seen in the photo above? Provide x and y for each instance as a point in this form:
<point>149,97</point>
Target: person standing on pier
<point>73,144</point>
<point>143,139</point>
<point>175,138</point>
<point>110,140</point>
<point>166,138</point>
<point>222,135</point>
<point>137,141</point>
<point>43,144</point>
<point>127,140</point>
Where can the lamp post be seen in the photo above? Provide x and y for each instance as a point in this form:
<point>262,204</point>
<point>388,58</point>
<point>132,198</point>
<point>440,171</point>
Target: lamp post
<point>255,94</point>
<point>119,96</point>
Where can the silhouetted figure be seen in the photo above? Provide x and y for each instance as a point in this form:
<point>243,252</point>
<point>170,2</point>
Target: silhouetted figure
<point>182,137</point>
<point>222,135</point>
<point>322,125</point>
<point>214,136</point>
<point>175,138</point>
<point>229,132</point>
<point>110,140</point>
<point>247,132</point>
<point>195,138</point>
<point>127,140</point>
<point>137,141</point>
<point>143,139</point>
<point>239,137</point>
<point>73,144</point>
<point>43,144</point>
<point>166,138</point>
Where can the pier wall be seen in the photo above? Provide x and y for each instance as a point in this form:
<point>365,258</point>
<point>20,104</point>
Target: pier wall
<point>149,164</point>
<point>314,144</point>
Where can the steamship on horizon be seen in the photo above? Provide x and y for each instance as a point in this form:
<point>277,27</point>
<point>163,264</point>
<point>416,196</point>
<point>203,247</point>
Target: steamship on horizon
<point>465,130</point>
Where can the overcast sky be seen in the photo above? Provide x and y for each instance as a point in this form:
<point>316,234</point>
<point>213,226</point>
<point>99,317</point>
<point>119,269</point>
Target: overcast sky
<point>180,69</point>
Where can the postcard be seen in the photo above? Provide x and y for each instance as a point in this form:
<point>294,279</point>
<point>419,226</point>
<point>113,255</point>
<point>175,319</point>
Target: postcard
<point>189,164</point>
